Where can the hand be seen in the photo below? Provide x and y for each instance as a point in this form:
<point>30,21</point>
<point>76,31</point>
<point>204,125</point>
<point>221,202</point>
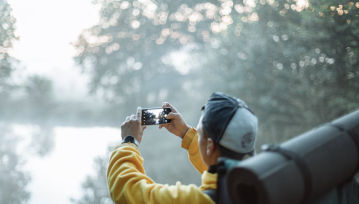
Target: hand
<point>132,126</point>
<point>177,126</point>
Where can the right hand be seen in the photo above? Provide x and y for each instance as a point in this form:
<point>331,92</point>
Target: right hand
<point>177,126</point>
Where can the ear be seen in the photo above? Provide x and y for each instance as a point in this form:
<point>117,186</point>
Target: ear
<point>210,147</point>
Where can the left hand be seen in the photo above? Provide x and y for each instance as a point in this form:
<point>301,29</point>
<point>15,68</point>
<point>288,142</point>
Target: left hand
<point>132,126</point>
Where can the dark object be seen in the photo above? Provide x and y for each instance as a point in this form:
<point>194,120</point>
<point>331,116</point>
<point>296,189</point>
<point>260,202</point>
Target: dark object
<point>301,170</point>
<point>130,139</point>
<point>154,116</point>
<point>220,195</point>
<point>211,193</point>
<point>348,193</point>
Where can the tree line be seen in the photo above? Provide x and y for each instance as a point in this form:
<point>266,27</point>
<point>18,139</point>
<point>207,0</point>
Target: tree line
<point>294,62</point>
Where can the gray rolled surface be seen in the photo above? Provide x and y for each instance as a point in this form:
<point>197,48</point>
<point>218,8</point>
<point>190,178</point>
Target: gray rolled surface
<point>329,154</point>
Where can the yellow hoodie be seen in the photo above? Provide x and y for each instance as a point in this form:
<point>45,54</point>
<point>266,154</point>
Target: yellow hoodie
<point>128,182</point>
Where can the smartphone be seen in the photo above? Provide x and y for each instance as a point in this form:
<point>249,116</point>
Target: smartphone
<point>154,116</point>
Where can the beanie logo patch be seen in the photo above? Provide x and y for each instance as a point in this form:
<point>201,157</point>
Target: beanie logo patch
<point>247,140</point>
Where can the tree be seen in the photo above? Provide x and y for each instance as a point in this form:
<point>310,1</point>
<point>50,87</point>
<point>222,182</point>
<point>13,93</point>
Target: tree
<point>122,56</point>
<point>95,187</point>
<point>128,53</point>
<point>7,35</point>
<point>13,180</point>
<point>39,98</point>
<point>286,64</point>
<point>127,56</point>
<point>294,64</point>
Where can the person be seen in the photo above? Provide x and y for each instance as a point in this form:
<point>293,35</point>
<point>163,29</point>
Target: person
<point>226,128</point>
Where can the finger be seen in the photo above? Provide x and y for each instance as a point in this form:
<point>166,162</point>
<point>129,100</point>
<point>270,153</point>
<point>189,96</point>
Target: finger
<point>164,126</point>
<point>133,119</point>
<point>167,105</point>
<point>172,116</point>
<point>139,112</point>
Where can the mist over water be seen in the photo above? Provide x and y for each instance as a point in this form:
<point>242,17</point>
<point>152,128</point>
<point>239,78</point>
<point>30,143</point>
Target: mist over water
<point>68,163</point>
<point>70,73</point>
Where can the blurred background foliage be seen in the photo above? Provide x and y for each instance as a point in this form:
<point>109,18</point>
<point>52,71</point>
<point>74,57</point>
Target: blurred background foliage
<point>294,62</point>
<point>13,181</point>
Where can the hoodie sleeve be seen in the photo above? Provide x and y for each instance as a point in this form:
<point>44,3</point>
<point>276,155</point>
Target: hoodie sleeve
<point>190,143</point>
<point>128,183</point>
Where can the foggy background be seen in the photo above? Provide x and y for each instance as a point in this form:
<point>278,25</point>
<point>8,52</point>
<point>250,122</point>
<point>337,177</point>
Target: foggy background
<point>71,71</point>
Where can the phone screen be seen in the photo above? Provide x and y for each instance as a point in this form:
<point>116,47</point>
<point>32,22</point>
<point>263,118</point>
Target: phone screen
<point>155,116</point>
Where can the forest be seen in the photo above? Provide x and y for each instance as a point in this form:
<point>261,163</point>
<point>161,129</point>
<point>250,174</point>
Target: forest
<point>294,62</point>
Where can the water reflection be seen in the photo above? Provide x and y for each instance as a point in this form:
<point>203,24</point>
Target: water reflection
<point>42,139</point>
<point>13,178</point>
<point>44,164</point>
<point>94,188</point>
<point>57,164</point>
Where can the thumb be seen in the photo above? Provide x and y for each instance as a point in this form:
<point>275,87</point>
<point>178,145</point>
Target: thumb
<point>139,113</point>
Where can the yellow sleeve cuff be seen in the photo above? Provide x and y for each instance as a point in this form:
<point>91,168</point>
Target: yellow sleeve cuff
<point>209,181</point>
<point>188,137</point>
<point>128,144</point>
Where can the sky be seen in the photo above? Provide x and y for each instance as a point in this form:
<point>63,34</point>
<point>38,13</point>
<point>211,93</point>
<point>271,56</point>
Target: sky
<point>46,31</point>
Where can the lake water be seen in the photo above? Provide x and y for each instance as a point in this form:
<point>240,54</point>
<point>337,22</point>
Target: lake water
<point>59,159</point>
<point>57,176</point>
